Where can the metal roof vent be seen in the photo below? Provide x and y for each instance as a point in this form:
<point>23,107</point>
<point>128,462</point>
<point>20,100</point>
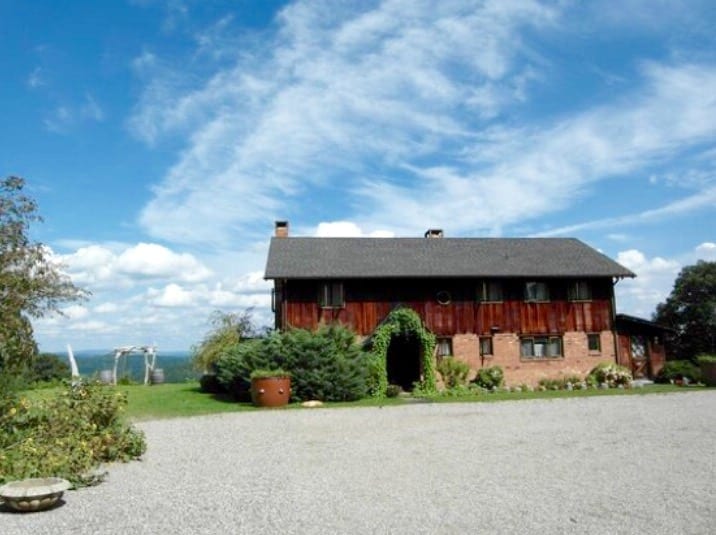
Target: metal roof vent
<point>434,233</point>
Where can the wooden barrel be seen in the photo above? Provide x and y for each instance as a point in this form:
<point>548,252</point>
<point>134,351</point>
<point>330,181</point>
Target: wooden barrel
<point>105,376</point>
<point>156,377</point>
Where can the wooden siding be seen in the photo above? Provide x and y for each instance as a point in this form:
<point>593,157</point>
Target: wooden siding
<point>368,302</point>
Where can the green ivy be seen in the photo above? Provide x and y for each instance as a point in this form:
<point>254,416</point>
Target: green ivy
<point>401,321</point>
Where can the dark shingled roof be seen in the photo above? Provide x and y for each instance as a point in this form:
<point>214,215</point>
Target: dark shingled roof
<point>347,258</point>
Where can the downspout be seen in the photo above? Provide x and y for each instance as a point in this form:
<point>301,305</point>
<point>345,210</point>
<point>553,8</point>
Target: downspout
<point>617,356</point>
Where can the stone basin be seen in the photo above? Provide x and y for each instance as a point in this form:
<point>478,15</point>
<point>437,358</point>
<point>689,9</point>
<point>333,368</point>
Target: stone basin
<point>33,494</point>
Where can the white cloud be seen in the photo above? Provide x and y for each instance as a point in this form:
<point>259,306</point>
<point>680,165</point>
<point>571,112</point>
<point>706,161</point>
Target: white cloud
<point>156,261</point>
<point>98,266</point>
<point>415,96</point>
<point>706,251</point>
<point>67,116</point>
<point>35,78</point>
<point>106,308</point>
<point>338,86</point>
<point>652,285</point>
<point>686,205</point>
<point>347,229</point>
<point>91,110</point>
<point>75,312</point>
<point>172,295</point>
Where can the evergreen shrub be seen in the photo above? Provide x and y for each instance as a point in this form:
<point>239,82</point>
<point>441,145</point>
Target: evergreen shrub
<point>326,365</point>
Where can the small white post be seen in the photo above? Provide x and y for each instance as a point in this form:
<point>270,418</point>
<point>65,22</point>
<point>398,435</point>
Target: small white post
<point>73,363</point>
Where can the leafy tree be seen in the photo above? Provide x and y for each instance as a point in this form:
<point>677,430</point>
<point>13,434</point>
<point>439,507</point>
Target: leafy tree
<point>227,330</point>
<point>31,283</point>
<point>48,367</point>
<point>690,310</point>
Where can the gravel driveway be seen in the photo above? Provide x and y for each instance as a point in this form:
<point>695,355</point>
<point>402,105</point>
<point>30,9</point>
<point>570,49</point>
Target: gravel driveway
<point>621,464</point>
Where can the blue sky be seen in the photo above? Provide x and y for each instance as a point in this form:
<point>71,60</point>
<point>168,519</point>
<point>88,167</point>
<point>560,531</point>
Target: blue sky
<point>163,138</point>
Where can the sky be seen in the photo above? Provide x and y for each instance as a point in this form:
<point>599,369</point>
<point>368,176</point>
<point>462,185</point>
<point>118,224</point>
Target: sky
<point>163,138</point>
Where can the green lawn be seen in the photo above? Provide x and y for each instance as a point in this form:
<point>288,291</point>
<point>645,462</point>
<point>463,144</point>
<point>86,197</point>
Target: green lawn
<point>173,400</point>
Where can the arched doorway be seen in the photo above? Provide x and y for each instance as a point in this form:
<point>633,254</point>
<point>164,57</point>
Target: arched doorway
<point>403,360</point>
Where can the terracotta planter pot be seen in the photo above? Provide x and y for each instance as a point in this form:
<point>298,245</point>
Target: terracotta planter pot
<point>270,391</point>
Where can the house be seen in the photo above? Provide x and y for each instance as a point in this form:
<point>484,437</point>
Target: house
<point>536,307</point>
<point>641,345</point>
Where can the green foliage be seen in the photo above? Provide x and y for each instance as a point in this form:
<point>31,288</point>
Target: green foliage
<point>234,366</point>
<point>267,374</point>
<point>400,321</point>
<point>610,374</point>
<point>227,330</point>
<point>210,384</point>
<point>674,370</point>
<point>327,364</point>
<point>393,391</point>
<point>67,435</point>
<point>561,383</point>
<point>48,368</point>
<point>453,372</point>
<point>31,283</point>
<point>690,310</point>
<point>706,359</point>
<point>491,377</point>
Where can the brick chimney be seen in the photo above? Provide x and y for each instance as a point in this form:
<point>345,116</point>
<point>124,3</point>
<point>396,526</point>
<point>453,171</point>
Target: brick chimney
<point>281,229</point>
<point>434,233</point>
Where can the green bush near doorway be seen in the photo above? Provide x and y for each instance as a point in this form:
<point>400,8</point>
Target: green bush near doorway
<point>400,322</point>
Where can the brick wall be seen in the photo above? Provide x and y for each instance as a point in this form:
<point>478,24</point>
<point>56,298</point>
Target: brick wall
<point>577,359</point>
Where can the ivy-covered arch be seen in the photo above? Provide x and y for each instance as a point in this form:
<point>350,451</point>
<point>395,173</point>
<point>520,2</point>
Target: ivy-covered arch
<point>400,321</point>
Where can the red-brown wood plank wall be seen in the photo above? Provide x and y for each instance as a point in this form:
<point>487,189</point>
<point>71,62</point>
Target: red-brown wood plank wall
<point>369,302</point>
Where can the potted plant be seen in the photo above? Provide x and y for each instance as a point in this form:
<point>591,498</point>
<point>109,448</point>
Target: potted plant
<point>708,369</point>
<point>270,388</point>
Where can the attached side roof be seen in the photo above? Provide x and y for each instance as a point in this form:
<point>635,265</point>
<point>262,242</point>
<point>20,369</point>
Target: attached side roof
<point>348,258</point>
<point>626,323</point>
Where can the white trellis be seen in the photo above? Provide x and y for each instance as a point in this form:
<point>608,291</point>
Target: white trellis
<point>150,359</point>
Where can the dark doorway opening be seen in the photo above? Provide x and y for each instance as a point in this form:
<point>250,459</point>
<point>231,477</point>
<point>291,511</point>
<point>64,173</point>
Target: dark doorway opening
<point>403,361</point>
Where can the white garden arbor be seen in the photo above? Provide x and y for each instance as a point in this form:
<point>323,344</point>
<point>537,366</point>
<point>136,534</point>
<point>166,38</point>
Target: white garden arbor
<point>150,359</point>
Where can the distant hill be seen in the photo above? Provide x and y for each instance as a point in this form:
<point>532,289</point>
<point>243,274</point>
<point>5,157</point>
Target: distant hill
<point>176,364</point>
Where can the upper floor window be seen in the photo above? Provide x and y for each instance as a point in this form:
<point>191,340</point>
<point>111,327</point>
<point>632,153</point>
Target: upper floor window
<point>330,295</point>
<point>489,291</point>
<point>536,291</point>
<point>579,291</point>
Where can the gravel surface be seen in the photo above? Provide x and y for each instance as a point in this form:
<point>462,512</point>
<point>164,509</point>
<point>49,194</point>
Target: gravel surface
<point>622,464</point>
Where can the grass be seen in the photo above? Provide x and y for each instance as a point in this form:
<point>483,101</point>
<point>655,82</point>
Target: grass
<point>173,400</point>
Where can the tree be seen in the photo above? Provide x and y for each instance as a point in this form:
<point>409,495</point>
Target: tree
<point>31,283</point>
<point>227,330</point>
<point>690,310</point>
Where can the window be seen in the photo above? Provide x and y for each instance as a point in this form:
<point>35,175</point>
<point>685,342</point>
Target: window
<point>489,291</point>
<point>594,343</point>
<point>444,347</point>
<point>541,347</point>
<point>485,346</point>
<point>331,295</point>
<point>536,291</point>
<point>274,299</point>
<point>443,297</point>
<point>579,291</point>
<point>638,347</point>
